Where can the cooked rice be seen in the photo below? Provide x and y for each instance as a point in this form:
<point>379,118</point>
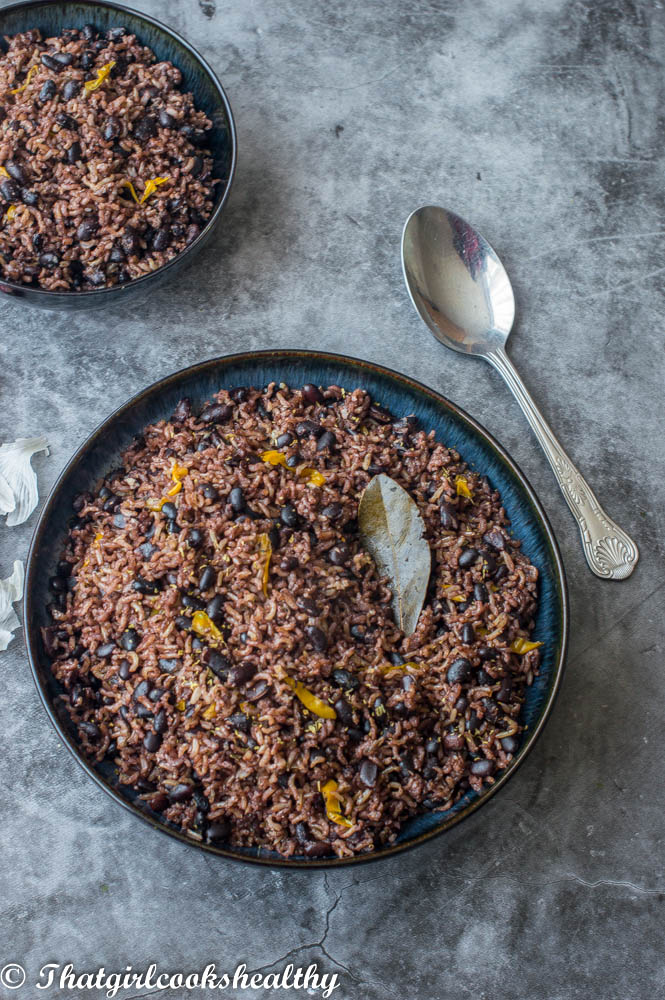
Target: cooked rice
<point>240,759</point>
<point>68,220</point>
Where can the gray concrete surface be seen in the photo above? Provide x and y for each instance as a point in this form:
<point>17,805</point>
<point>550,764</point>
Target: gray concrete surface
<point>542,122</point>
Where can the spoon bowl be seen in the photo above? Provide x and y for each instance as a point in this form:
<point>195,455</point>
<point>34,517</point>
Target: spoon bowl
<point>461,290</point>
<point>456,282</point>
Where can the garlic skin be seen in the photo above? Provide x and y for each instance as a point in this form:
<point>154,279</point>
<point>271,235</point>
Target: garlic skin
<point>11,590</point>
<point>18,482</point>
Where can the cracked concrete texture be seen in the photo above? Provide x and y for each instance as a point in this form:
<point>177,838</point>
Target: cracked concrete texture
<point>542,123</point>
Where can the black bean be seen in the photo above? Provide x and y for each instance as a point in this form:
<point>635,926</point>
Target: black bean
<point>308,428</point>
<point>345,679</point>
<point>89,32</point>
<point>241,673</point>
<point>112,128</point>
<point>284,440</point>
<point>467,558</point>
<point>344,712</point>
<point>495,539</point>
<point>29,197</point>
<point>214,608</point>
<point>66,121</point>
<point>192,232</point>
<point>237,499</point>
<point>189,601</point>
<point>63,58</point>
<point>74,152</point>
<point>289,516</point>
<point>482,768</point>
<point>160,725</point>
<point>380,414</point>
<point>17,172</point>
<point>216,413</point>
<point>90,729</point>
<point>142,690</point>
<point>327,440</point>
<point>170,510</point>
<point>197,166</point>
<point>147,550</point>
<point>105,650</point>
<point>218,831</point>
<point>117,255</point>
<point>453,740</point>
<point>504,692</point>
<point>144,128</point>
<point>161,239</point>
<point>113,34</point>
<point>480,592</point>
<point>317,638</point>
<point>491,709</point>
<point>501,573</point>
<point>293,460</point>
<point>473,723</point>
<point>207,578</point>
<point>57,584</point>
<point>308,605</point>
<point>71,89</point>
<point>447,514</point>
<point>358,632</point>
<point>166,120</point>
<point>48,91</point>
<point>486,652</point>
<point>217,662</point>
<point>510,744</point>
<point>302,833</point>
<point>9,190</point>
<point>256,692</point>
<point>152,742</point>
<point>130,240</point>
<point>332,511</point>
<point>87,229</point>
<point>194,538</point>
<point>459,671</point>
<point>130,639</point>
<point>340,554</point>
<point>76,696</point>
<point>123,670</point>
<point>87,62</point>
<point>239,721</point>
<point>368,772</point>
<point>274,537</point>
<point>396,658</point>
<point>51,63</point>
<point>468,634</point>
<point>64,568</point>
<point>168,666</point>
<point>312,394</point>
<point>483,679</point>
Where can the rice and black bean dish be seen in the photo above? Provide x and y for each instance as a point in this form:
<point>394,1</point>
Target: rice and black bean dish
<point>224,639</point>
<point>105,170</point>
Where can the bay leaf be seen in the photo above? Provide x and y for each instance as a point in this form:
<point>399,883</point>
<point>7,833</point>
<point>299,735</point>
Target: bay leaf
<point>392,530</point>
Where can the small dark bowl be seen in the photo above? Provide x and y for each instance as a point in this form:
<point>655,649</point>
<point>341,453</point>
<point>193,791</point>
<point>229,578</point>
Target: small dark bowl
<point>198,78</point>
<point>402,395</point>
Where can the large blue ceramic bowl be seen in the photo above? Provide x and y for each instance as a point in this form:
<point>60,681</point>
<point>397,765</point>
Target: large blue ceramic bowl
<point>51,17</point>
<point>402,395</point>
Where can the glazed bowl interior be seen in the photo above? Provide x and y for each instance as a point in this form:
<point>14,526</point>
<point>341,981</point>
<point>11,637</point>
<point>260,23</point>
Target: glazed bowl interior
<point>402,395</point>
<point>51,18</point>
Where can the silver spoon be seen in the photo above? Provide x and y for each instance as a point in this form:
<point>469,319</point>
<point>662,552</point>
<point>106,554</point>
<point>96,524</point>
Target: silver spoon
<point>461,290</point>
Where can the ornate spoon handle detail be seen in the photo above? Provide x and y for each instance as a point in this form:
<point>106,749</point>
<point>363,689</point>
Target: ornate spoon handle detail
<point>609,551</point>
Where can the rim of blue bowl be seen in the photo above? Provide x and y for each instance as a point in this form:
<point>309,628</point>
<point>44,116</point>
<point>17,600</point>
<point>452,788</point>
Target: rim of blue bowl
<point>32,639</point>
<point>145,279</point>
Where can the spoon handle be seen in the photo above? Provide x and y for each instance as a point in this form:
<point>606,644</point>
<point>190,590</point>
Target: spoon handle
<point>609,551</point>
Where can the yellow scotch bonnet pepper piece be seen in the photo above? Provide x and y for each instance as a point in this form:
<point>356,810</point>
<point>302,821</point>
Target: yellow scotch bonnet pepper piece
<point>203,625</point>
<point>274,458</point>
<point>266,552</point>
<point>31,73</point>
<point>102,73</point>
<point>310,701</point>
<point>522,646</point>
<point>332,801</point>
<point>462,488</point>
